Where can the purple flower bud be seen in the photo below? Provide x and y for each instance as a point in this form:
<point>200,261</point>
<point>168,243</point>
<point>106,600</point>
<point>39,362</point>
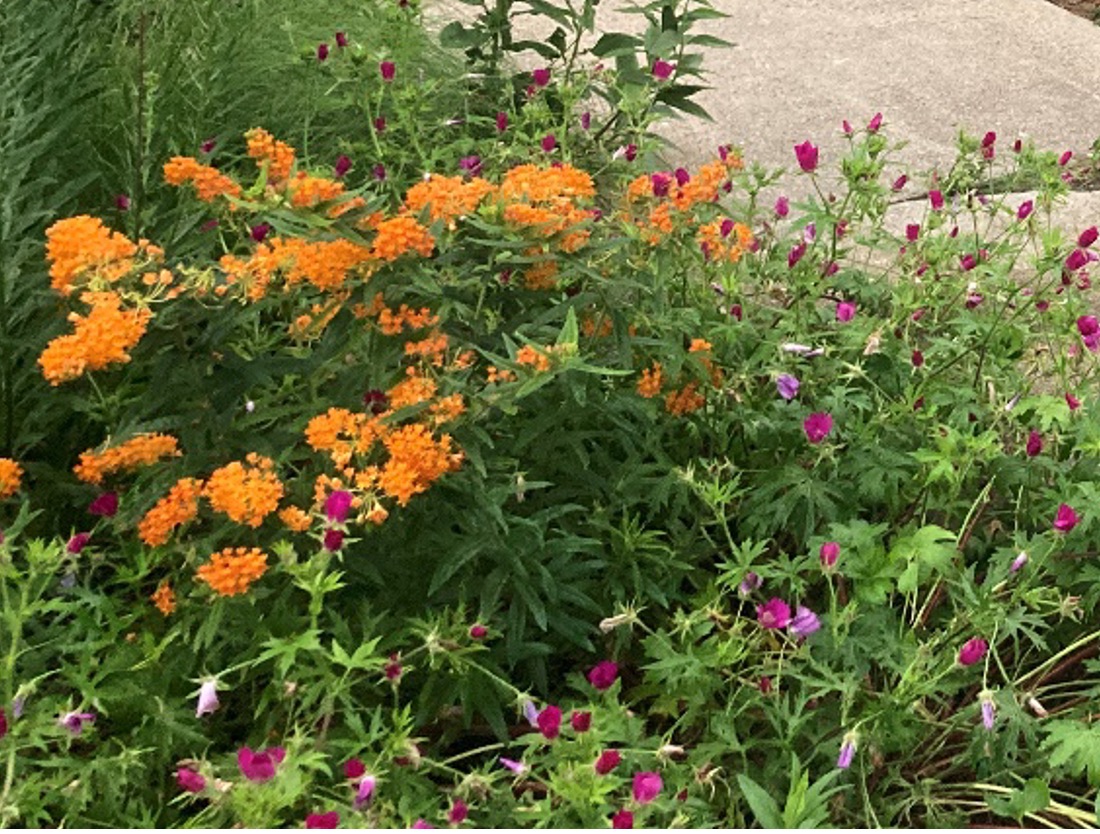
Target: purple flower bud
<point>912,232</point>
<point>807,154</point>
<point>518,768</point>
<point>208,698</point>
<point>549,142</point>
<point>805,622</point>
<point>541,77</point>
<point>1018,562</point>
<point>260,231</point>
<point>388,70</point>
<point>78,543</point>
<point>333,540</point>
<point>787,386</point>
<point>989,710</point>
<point>795,255</point>
<point>1024,210</point>
<point>900,182</point>
<point>322,51</point>
<point>782,207</point>
<point>341,39</point>
<point>379,172</point>
<point>845,311</point>
<point>122,202</point>
<point>936,199</point>
<point>847,751</point>
<point>662,70</point>
<point>502,122</point>
<point>586,120</point>
<point>875,123</point>
<point>105,505</point>
<point>74,721</point>
<point>750,583</point>
<point>364,791</point>
<point>829,553</point>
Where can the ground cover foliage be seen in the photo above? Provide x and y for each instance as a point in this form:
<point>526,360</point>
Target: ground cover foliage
<point>389,437</point>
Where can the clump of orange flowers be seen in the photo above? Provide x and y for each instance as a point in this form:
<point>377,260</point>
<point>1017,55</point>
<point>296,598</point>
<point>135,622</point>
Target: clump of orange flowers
<point>537,359</point>
<point>232,571</point>
<point>724,240</point>
<point>649,385</point>
<point>103,337</point>
<point>209,182</point>
<point>447,198</point>
<point>175,509</point>
<point>11,477</point>
<point>164,598</point>
<point>142,450</point>
<point>416,460</point>
<point>267,150</point>
<point>684,401</point>
<point>398,235</point>
<point>295,518</point>
<point>246,492</point>
<point>306,191</point>
<point>81,246</point>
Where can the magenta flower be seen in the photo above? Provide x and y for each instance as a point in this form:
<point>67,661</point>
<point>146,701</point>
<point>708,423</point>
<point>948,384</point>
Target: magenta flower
<point>899,183</point>
<point>662,70</point>
<point>607,761</point>
<point>354,768</point>
<point>364,791</point>
<point>1088,237</point>
<point>682,176</point>
<point>337,505</point>
<point>875,123</point>
<point>259,232</point>
<point>806,154</point>
<point>422,823</point>
<point>259,766</point>
<point>787,386</point>
<point>322,51</point>
<point>846,127</point>
<point>549,722</point>
<point>333,540</point>
<point>379,172</point>
<point>795,255</point>
<point>647,785</point>
<point>809,233</point>
<point>1018,562</point>
<point>74,721</point>
<point>847,751</point>
<point>1034,444</point>
<point>603,674</point>
<point>805,622</point>
<point>831,269</point>
<point>773,614</point>
<point>829,553</point>
<point>1072,402</point>
<point>845,311</point>
<point>105,504</point>
<point>936,198</point>
<point>208,698</point>
<point>518,768</point>
<point>750,583</point>
<point>329,819</point>
<point>1076,260</point>
<point>987,145</point>
<point>549,142</point>
<point>342,166</point>
<point>189,780</point>
<point>968,262</point>
<point>122,202</point>
<point>502,121</point>
<point>3,723</point>
<point>660,183</point>
<point>586,120</point>
<point>1066,519</point>
<point>478,631</point>
<point>631,152</point>
<point>541,77</point>
<point>208,146</point>
<point>341,39</point>
<point>388,70</point>
<point>622,818</point>
<point>458,813</point>
<point>817,426</point>
<point>376,402</point>
<point>392,669</point>
<point>1064,159</point>
<point>580,721</point>
<point>78,543</point>
<point>972,651</point>
<point>1025,209</point>
<point>912,232</point>
<point>782,207</point>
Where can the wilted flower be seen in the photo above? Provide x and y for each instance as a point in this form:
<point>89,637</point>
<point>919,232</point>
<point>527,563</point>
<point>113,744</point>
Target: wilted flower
<point>749,583</point>
<point>74,721</point>
<point>806,153</point>
<point>647,785</point>
<point>189,780</point>
<point>972,651</point>
<point>1066,519</point>
<point>549,722</point>
<point>603,674</point>
<point>847,750</point>
<point>208,698</point>
<point>365,790</point>
<point>773,614</point>
<point>805,622</point>
<point>608,760</point>
<point>828,555</point>
<point>817,426</point>
<point>329,819</point>
<point>259,765</point>
<point>787,386</point>
<point>105,504</point>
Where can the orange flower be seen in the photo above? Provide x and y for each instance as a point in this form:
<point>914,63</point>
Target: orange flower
<point>393,323</point>
<point>245,493</point>
<point>447,409</point>
<point>306,191</point>
<point>416,461</point>
<point>724,240</point>
<point>446,198</point>
<point>266,150</point>
<point>591,329</point>
<point>103,337</point>
<point>324,263</point>
<point>398,235</point>
<point>175,509</point>
<point>164,598</point>
<point>295,518</point>
<point>493,374</point>
<point>142,450</point>
<point>11,476</point>
<point>649,385</point>
<point>541,276</point>
<point>232,570</point>
<point>77,245</point>
<point>209,183</point>
<point>533,184</point>
<point>433,348</point>
<point>411,390</point>
<point>528,355</point>
<point>684,401</point>
<point>699,346</point>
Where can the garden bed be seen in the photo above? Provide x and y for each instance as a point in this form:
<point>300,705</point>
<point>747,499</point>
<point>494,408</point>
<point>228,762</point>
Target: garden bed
<point>1088,9</point>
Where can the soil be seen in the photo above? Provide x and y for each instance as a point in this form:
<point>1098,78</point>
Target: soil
<point>1088,9</point>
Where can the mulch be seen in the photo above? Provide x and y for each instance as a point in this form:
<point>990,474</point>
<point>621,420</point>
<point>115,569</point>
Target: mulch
<point>1088,9</point>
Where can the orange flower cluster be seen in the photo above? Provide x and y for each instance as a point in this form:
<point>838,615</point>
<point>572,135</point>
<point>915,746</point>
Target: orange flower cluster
<point>724,240</point>
<point>343,433</point>
<point>11,477</point>
<point>532,184</point>
<point>312,324</point>
<point>447,198</point>
<point>544,201</point>
<point>398,235</point>
<point>404,319</point>
<point>209,182</point>
<point>82,244</point>
<point>448,408</point>
<point>231,571</point>
<point>494,374</point>
<point>541,276</point>
<point>295,518</point>
<point>412,390</point>
<point>323,263</point>
<point>684,401</point>
<point>247,493</point>
<point>142,450</point>
<point>103,337</point>
<point>528,355</point>
<point>649,385</point>
<point>434,348</point>
<point>306,191</point>
<point>175,509</point>
<point>164,598</point>
<point>416,460</point>
<point>267,150</point>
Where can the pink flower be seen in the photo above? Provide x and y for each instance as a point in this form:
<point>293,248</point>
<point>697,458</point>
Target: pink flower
<point>987,145</point>
<point>972,651</point>
<point>807,156</point>
<point>208,698</point>
<point>343,165</point>
<point>900,182</point>
<point>1088,237</point>
<point>458,813</point>
<point>989,712</point>
<point>322,51</point>
<point>122,202</point>
<point>1066,519</point>
<point>549,721</point>
<point>422,823</point>
<point>875,123</point>
<point>968,262</point>
<point>831,269</point>
<point>847,751</point>
<point>259,766</point>
<point>541,77</point>
<point>782,207</point>
<point>337,505</point>
<point>502,121</point>
<point>647,785</point>
<point>580,721</point>
<point>329,819</point>
<point>1072,402</point>
<point>631,152</point>
<point>105,504</point>
<point>478,631</point>
<point>662,70</point>
<point>817,426</point>
<point>208,145</point>
<point>829,553</point>
<point>936,198</point>
<point>773,614</point>
<point>1065,158</point>
<point>586,120</point>
<point>912,232</point>
<point>845,311</point>
<point>795,255</point>
<point>1025,209</point>
<point>1076,260</point>
<point>78,543</point>
<point>190,780</point>
<point>622,819</point>
<point>846,127</point>
<point>354,768</point>
<point>388,70</point>
<point>259,232</point>
<point>1034,444</point>
<point>603,674</point>
<point>365,791</point>
<point>341,39</point>
<point>74,721</point>
<point>333,540</point>
<point>1018,562</point>
<point>608,760</point>
<point>549,142</point>
<point>518,768</point>
<point>918,358</point>
<point>804,623</point>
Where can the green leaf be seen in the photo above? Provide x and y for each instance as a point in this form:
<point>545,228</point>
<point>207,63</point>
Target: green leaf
<point>764,808</point>
<point>614,44</point>
<point>456,36</point>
